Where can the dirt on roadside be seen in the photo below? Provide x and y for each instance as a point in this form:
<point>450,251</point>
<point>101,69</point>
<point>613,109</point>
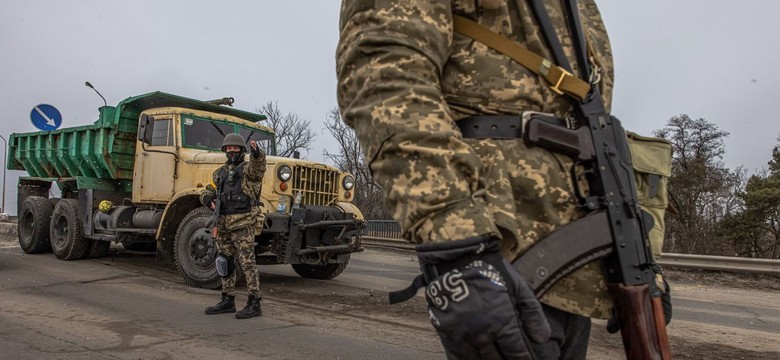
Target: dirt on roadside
<point>728,279</point>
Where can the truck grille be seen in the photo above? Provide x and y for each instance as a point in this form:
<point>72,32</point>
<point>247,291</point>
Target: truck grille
<point>319,186</point>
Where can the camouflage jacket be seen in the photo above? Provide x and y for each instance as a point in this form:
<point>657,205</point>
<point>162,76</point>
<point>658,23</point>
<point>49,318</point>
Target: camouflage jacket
<point>405,78</point>
<point>252,185</point>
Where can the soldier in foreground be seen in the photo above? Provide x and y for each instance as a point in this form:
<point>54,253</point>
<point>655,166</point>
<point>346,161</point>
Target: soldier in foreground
<point>418,96</point>
<point>234,196</point>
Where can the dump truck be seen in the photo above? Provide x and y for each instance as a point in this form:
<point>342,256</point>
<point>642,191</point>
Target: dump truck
<point>135,176</point>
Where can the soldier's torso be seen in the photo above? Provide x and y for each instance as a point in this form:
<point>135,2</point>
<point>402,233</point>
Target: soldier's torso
<point>237,196</point>
<point>477,80</point>
<point>232,197</point>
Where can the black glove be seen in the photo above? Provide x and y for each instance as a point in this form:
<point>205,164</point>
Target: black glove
<point>255,150</point>
<point>207,199</point>
<point>479,304</point>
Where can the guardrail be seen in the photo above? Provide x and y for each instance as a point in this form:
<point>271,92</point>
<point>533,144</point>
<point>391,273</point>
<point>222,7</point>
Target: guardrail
<point>386,233</point>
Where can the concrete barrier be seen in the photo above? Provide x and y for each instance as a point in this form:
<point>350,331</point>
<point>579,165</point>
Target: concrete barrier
<point>8,229</point>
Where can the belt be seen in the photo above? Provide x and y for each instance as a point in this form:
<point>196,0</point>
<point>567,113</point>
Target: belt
<point>491,126</point>
<point>501,126</point>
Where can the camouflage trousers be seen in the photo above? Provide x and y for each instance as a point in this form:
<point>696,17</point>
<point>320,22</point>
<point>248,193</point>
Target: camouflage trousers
<point>441,187</point>
<point>529,192</point>
<point>240,244</point>
<point>526,193</point>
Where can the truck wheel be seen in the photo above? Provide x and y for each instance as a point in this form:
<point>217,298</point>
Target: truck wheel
<point>33,225</point>
<point>67,241</point>
<point>321,272</point>
<point>97,249</point>
<point>195,250</point>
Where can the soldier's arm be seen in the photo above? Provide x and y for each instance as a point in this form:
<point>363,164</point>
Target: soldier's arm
<point>389,59</point>
<point>255,169</point>
<point>209,193</point>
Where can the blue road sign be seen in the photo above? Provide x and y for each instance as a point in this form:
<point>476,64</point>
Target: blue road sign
<point>45,117</point>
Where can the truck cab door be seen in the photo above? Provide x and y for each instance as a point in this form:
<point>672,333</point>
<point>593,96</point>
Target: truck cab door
<point>155,159</point>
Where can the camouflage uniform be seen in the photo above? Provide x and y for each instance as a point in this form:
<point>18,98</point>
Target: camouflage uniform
<point>404,79</point>
<point>236,232</point>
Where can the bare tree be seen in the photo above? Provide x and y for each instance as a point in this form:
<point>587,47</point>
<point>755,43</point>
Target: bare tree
<point>701,188</point>
<point>369,197</point>
<point>292,132</point>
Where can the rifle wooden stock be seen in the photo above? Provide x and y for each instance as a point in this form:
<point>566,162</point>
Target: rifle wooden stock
<point>575,143</point>
<point>214,220</point>
<point>643,331</point>
<point>660,328</point>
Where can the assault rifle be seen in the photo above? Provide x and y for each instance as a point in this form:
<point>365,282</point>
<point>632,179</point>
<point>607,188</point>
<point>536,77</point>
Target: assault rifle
<point>597,142</point>
<point>214,219</point>
<point>616,227</point>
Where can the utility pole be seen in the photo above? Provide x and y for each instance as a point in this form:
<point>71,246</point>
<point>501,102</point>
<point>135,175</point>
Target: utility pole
<point>5,165</point>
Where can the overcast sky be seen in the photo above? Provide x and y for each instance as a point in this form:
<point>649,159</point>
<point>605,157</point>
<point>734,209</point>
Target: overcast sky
<point>715,59</point>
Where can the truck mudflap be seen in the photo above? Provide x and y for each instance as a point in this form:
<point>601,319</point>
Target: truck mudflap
<point>316,235</point>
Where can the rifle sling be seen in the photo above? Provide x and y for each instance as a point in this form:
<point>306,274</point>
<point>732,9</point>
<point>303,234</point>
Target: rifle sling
<point>561,81</point>
<point>565,250</point>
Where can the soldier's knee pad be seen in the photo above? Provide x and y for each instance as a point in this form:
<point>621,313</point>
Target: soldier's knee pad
<point>225,265</point>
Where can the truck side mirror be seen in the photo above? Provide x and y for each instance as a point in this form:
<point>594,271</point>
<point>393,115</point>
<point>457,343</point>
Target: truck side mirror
<point>143,125</point>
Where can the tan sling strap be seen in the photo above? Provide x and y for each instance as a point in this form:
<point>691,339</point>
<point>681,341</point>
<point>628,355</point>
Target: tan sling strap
<point>561,81</point>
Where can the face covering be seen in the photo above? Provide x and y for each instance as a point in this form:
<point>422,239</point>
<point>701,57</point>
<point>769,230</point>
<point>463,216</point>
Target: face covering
<point>235,157</point>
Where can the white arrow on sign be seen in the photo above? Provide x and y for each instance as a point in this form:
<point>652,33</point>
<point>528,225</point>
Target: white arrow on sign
<point>49,120</point>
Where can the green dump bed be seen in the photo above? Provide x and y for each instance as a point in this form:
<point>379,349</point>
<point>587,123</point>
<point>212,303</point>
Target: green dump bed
<point>103,150</point>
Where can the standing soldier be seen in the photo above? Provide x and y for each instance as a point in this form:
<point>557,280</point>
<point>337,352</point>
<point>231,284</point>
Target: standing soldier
<point>234,195</point>
<point>418,96</point>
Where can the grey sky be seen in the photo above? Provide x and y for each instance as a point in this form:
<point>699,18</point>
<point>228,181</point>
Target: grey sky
<point>710,59</point>
<point>716,60</point>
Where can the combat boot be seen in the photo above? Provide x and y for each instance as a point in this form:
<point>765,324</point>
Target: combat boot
<point>227,305</point>
<point>252,308</point>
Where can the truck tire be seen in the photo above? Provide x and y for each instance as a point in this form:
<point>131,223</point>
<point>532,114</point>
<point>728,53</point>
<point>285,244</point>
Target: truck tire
<point>97,249</point>
<point>195,250</point>
<point>67,241</point>
<point>320,272</point>
<point>33,225</point>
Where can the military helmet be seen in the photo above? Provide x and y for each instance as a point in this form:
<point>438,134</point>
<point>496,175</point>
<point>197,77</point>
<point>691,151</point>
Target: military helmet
<point>233,139</point>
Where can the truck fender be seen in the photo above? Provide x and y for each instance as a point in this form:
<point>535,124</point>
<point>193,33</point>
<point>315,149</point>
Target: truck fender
<point>180,205</point>
<point>350,209</point>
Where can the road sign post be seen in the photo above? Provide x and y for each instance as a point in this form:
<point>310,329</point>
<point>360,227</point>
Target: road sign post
<point>5,165</point>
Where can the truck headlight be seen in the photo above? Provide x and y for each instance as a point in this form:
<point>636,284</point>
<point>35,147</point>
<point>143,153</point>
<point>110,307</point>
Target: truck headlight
<point>284,173</point>
<point>348,183</point>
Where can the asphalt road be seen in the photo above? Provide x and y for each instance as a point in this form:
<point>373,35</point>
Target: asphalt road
<point>125,306</point>
<point>121,307</point>
<point>729,308</point>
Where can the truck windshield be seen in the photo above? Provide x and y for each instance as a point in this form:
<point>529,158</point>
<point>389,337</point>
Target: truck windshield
<point>206,134</point>
<point>263,138</point>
